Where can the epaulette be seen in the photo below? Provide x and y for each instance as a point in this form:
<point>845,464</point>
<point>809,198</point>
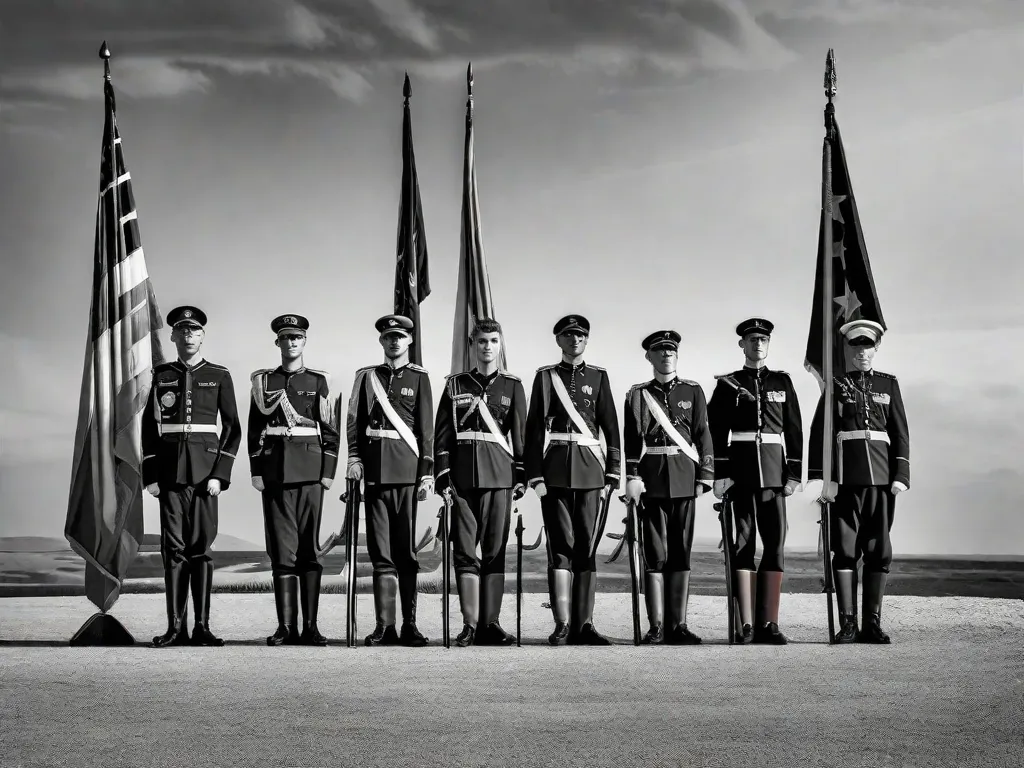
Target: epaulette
<point>595,367</point>
<point>414,367</point>
<point>885,375</point>
<point>215,365</point>
<point>691,382</point>
<point>318,372</point>
<point>510,376</point>
<point>547,367</point>
<point>260,372</point>
<point>163,366</point>
<point>365,368</point>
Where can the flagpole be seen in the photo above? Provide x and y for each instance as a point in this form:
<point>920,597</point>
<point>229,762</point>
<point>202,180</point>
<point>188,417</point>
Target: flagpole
<point>828,323</point>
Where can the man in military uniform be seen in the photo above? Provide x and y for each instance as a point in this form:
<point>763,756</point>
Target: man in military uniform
<point>757,434</point>
<point>571,402</point>
<point>478,449</point>
<point>293,455</point>
<point>669,463</point>
<point>390,448</point>
<point>871,466</point>
<point>186,466</point>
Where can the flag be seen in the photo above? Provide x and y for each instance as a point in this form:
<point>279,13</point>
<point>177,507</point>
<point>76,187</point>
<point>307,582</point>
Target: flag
<point>852,292</point>
<point>473,298</point>
<point>412,278</point>
<point>104,521</point>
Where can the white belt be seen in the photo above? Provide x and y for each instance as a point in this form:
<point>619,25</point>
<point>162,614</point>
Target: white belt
<point>487,437</point>
<point>166,429</point>
<point>391,434</point>
<point>572,437</point>
<point>751,437</point>
<point>292,431</point>
<point>863,434</point>
<point>662,450</point>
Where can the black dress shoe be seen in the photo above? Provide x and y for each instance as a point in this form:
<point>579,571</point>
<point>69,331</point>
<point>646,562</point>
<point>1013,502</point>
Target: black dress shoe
<point>284,635</point>
<point>681,635</point>
<point>873,633</point>
<point>560,635</point>
<point>173,636</point>
<point>588,635</point>
<point>311,636</point>
<point>411,636</point>
<point>848,632</point>
<point>769,634</point>
<point>655,635</point>
<point>382,636</point>
<point>493,634</point>
<point>466,636</point>
<point>745,636</point>
<point>201,635</point>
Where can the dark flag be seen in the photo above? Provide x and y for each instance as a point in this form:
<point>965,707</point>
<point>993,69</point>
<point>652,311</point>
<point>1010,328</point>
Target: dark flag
<point>853,295</point>
<point>473,299</point>
<point>104,522</point>
<point>412,278</point>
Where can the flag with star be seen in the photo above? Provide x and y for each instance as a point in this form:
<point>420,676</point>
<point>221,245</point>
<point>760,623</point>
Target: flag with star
<point>412,279</point>
<point>104,519</point>
<point>853,287</point>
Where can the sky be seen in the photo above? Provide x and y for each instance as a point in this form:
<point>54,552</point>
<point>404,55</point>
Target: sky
<point>649,164</point>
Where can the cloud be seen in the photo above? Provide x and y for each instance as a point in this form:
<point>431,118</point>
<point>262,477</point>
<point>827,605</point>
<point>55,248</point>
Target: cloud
<point>865,11</point>
<point>166,49</point>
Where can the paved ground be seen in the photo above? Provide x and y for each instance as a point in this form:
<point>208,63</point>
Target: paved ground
<point>949,692</point>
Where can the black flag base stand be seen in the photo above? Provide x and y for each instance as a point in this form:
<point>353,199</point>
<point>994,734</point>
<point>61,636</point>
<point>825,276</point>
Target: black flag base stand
<point>102,629</point>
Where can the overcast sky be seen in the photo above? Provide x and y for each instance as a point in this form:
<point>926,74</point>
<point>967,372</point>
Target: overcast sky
<point>648,164</point>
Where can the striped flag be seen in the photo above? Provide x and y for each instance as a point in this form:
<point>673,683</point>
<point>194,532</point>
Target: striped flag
<point>412,278</point>
<point>104,522</point>
<point>473,299</point>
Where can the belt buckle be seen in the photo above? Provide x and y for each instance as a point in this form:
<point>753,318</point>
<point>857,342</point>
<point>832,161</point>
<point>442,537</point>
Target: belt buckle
<point>188,430</point>
<point>288,432</point>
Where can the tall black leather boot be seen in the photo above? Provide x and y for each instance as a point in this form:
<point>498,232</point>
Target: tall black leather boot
<point>176,588</point>
<point>202,586</point>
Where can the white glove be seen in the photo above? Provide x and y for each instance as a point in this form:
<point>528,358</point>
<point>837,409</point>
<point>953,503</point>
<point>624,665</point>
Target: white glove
<point>540,489</point>
<point>355,471</point>
<point>426,487</point>
<point>721,486</point>
<point>634,487</point>
<point>213,486</point>
<point>829,491</point>
<point>701,489</point>
<point>791,487</point>
<point>257,483</point>
<point>327,482</point>
<point>154,489</point>
<point>898,487</point>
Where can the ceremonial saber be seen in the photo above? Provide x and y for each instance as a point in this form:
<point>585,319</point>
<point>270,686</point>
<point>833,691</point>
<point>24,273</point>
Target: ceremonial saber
<point>724,509</point>
<point>520,548</point>
<point>634,566</point>
<point>444,517</point>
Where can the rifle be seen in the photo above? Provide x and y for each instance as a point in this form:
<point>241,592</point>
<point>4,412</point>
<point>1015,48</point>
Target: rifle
<point>519,570</point>
<point>352,498</point>
<point>724,509</point>
<point>825,535</point>
<point>634,564</point>
<point>444,533</point>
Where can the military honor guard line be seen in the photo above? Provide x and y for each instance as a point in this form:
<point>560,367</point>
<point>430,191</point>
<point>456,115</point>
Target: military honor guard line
<point>487,444</point>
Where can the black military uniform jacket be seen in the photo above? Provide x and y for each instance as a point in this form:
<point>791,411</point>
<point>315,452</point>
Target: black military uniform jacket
<point>872,440</point>
<point>180,444</point>
<point>757,429</point>
<point>652,455</point>
<point>556,451</point>
<point>293,435</point>
<point>386,455</point>
<point>464,444</point>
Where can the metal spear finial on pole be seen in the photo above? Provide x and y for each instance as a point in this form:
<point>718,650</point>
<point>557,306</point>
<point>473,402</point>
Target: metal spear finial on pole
<point>407,89</point>
<point>830,91</point>
<point>469,89</point>
<point>105,55</point>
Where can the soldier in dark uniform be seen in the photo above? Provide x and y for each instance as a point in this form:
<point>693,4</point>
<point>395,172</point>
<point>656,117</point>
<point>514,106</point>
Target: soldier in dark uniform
<point>871,465</point>
<point>186,466</point>
<point>478,449</point>
<point>570,403</point>
<point>390,448</point>
<point>669,463</point>
<point>758,439</point>
<point>293,456</point>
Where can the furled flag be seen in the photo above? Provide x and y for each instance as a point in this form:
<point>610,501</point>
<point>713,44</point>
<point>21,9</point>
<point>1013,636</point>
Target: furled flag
<point>104,522</point>
<point>473,299</point>
<point>853,288</point>
<point>412,278</point>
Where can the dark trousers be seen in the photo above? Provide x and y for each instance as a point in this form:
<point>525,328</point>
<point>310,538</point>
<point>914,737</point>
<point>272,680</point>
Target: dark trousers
<point>861,518</point>
<point>573,530</point>
<point>667,532</point>
<point>754,512</point>
<point>480,516</point>
<point>188,524</point>
<point>291,517</point>
<point>391,528</point>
